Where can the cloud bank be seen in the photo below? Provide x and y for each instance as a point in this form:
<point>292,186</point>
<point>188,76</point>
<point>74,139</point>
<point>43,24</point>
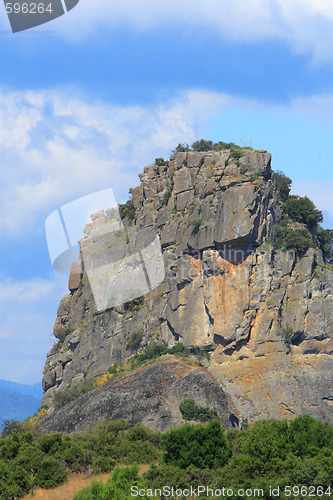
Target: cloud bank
<point>306,25</point>
<point>55,147</point>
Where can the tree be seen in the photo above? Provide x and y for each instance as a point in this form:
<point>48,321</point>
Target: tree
<point>202,145</point>
<point>180,148</point>
<point>299,240</point>
<point>204,446</point>
<point>191,411</point>
<point>282,184</point>
<point>160,162</point>
<point>325,239</point>
<point>302,209</point>
<point>8,427</point>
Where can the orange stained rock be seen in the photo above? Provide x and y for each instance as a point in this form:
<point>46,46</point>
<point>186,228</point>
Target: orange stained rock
<point>197,264</point>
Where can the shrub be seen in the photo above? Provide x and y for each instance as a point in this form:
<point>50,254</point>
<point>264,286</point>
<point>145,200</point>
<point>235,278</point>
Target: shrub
<point>202,145</point>
<point>168,194</point>
<point>50,474</point>
<point>103,464</point>
<point>8,427</point>
<point>325,239</point>
<point>282,184</point>
<point>299,240</point>
<point>302,209</point>
<point>204,446</point>
<point>135,340</point>
<point>180,148</point>
<point>308,436</point>
<point>61,398</point>
<point>135,304</point>
<point>118,487</point>
<point>191,411</point>
<point>196,225</point>
<point>127,210</point>
<point>287,238</point>
<point>160,162</point>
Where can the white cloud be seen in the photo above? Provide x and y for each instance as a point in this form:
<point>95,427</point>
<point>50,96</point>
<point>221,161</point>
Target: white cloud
<point>56,147</point>
<point>27,290</point>
<point>306,25</point>
<point>28,310</point>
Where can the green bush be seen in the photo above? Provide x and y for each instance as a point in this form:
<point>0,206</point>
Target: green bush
<point>325,239</point>
<point>287,238</point>
<point>160,162</point>
<point>202,145</point>
<point>191,411</point>
<point>299,240</point>
<point>204,446</point>
<point>269,452</point>
<point>135,304</point>
<point>49,474</point>
<point>61,398</point>
<point>103,464</point>
<point>135,340</point>
<point>302,209</point>
<point>118,487</point>
<point>168,194</point>
<point>127,210</point>
<point>282,184</point>
<point>180,148</point>
<point>196,225</point>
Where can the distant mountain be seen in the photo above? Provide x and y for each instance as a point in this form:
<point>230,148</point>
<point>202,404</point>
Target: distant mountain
<point>18,401</point>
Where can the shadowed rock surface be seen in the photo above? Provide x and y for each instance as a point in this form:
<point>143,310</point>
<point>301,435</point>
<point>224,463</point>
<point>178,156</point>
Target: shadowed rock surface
<point>150,395</point>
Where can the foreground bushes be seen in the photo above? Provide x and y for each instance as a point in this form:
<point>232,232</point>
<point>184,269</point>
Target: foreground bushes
<point>271,453</point>
<point>28,460</point>
<point>204,446</point>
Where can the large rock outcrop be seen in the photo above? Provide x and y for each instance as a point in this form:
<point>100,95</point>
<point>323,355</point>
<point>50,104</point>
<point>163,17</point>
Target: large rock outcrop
<point>150,395</point>
<point>266,316</point>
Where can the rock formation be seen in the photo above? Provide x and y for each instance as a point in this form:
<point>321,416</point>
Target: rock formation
<point>265,316</point>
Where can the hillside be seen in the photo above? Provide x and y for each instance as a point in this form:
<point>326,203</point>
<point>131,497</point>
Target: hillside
<point>247,281</point>
<point>18,401</point>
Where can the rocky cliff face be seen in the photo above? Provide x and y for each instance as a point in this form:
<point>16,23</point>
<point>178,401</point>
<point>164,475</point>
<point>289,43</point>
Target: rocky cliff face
<point>265,316</point>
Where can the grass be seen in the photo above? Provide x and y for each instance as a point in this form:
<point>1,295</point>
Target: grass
<point>75,483</point>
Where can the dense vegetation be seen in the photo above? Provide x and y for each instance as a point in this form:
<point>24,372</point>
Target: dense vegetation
<point>299,228</point>
<point>271,453</point>
<point>191,411</point>
<point>204,446</point>
<point>127,210</point>
<point>29,459</point>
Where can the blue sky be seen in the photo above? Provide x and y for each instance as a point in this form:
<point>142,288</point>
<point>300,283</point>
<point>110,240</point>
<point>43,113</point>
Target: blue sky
<point>89,99</point>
